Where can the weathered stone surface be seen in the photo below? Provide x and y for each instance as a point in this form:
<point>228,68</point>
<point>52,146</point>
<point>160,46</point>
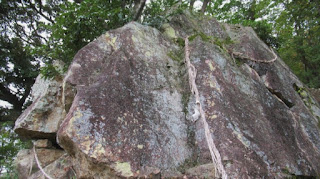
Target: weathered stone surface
<point>260,130</point>
<point>43,117</point>
<point>130,108</point>
<point>43,143</point>
<point>202,171</point>
<point>316,94</point>
<point>26,164</point>
<point>247,45</point>
<point>59,169</point>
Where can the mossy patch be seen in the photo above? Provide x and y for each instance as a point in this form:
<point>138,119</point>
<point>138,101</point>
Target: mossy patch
<point>185,101</point>
<point>169,31</point>
<point>180,42</point>
<point>307,100</point>
<point>304,95</point>
<point>188,163</point>
<point>124,168</point>
<point>177,55</point>
<point>214,40</point>
<point>239,61</point>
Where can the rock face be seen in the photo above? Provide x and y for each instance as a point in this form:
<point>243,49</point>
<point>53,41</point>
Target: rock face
<point>54,162</point>
<point>129,108</point>
<point>43,117</point>
<point>316,94</point>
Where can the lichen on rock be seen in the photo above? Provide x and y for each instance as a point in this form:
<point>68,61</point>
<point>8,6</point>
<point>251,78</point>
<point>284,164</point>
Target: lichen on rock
<point>124,108</point>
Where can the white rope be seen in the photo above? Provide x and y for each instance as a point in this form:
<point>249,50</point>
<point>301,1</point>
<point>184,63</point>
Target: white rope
<point>241,55</point>
<point>215,155</point>
<point>38,163</point>
<point>31,165</point>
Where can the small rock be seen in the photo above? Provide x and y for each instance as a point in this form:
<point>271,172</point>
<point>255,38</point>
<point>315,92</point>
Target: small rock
<point>202,171</point>
<point>42,143</point>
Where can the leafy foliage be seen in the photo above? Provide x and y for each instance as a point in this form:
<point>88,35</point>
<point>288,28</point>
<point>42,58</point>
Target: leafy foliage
<point>22,27</point>
<point>10,145</point>
<point>159,11</point>
<point>17,75</point>
<point>78,24</point>
<point>298,28</point>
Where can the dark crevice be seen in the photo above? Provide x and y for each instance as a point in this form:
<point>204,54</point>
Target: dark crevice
<point>278,94</point>
<point>69,92</point>
<point>302,177</point>
<point>36,135</point>
<point>261,71</point>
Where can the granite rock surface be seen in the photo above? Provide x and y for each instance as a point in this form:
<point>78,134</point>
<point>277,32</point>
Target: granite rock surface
<point>124,107</point>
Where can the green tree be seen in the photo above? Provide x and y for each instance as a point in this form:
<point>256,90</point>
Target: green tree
<point>9,146</point>
<point>298,28</point>
<point>259,14</point>
<point>22,27</point>
<point>79,23</point>
<point>21,31</point>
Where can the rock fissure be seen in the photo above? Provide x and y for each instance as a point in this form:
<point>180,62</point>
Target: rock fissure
<point>281,98</point>
<point>198,112</point>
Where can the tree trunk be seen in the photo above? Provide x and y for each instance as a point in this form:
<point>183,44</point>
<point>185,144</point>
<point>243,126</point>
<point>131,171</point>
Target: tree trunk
<point>204,6</point>
<point>138,8</point>
<point>252,11</point>
<point>191,4</point>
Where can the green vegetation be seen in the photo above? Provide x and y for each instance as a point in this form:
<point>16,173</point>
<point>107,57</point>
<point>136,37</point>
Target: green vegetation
<point>291,27</point>
<point>239,61</point>
<point>177,55</point>
<point>188,163</point>
<point>10,145</point>
<point>219,42</point>
<point>308,101</point>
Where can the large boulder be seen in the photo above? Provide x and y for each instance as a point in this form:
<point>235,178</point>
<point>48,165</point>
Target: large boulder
<point>42,118</point>
<point>130,108</point>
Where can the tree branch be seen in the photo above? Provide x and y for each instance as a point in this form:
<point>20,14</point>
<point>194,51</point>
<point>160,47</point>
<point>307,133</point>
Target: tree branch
<point>6,95</point>
<point>191,4</point>
<point>139,10</point>
<point>26,93</point>
<point>40,12</point>
<point>204,6</point>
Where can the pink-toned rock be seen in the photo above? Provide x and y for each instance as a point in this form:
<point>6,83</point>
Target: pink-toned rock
<point>129,107</point>
<point>125,115</point>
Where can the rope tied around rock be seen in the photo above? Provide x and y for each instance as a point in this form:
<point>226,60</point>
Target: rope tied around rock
<point>38,163</point>
<point>243,56</point>
<point>199,112</point>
